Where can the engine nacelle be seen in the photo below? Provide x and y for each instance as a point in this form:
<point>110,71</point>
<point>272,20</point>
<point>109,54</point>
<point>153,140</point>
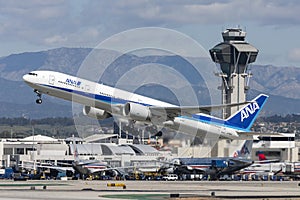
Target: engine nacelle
<point>137,112</point>
<point>95,112</point>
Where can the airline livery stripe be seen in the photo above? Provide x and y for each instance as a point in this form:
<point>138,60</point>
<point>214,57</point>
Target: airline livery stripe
<point>214,122</point>
<point>106,99</point>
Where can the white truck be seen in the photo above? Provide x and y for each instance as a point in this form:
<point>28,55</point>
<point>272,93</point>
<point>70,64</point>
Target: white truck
<point>170,177</point>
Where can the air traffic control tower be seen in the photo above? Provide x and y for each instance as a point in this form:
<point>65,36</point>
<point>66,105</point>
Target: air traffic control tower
<point>234,55</point>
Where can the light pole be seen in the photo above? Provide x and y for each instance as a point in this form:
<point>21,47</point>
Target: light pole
<point>32,157</point>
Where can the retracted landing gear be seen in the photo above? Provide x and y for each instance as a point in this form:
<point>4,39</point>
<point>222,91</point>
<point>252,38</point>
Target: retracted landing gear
<point>39,100</point>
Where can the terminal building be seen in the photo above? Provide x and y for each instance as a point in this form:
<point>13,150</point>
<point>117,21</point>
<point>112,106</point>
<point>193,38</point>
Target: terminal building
<point>281,147</point>
<point>42,149</point>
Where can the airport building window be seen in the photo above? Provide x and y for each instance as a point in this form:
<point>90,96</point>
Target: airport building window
<point>19,151</point>
<point>277,138</point>
<point>114,163</point>
<point>106,150</point>
<point>30,149</point>
<point>8,151</point>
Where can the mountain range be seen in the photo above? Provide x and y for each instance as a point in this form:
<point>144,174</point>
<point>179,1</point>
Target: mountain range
<point>282,83</point>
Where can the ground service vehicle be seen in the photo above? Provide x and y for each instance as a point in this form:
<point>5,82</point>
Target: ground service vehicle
<point>170,177</point>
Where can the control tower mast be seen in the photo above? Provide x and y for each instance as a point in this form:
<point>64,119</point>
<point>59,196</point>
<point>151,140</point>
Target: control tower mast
<point>234,55</point>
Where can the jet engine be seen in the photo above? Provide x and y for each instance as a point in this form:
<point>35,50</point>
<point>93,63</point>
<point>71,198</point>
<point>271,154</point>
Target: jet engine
<point>95,112</point>
<point>137,112</point>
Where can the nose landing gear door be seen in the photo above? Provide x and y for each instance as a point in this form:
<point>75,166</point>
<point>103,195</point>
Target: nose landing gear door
<point>51,79</point>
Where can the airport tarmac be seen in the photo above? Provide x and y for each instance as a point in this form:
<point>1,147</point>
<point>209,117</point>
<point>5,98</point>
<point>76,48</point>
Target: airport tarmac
<point>146,190</point>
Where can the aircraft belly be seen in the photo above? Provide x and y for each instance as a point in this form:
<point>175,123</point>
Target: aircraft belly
<point>197,129</point>
<point>53,92</point>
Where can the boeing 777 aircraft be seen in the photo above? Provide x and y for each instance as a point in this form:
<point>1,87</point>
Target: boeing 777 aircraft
<point>101,101</point>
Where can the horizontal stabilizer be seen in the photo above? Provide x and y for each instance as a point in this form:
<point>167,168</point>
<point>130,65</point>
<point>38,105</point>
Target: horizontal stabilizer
<point>241,161</point>
<point>267,161</point>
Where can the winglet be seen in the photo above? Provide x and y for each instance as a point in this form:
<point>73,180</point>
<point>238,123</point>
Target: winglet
<point>245,117</point>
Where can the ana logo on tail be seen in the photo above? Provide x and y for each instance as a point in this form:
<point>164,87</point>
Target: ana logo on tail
<point>249,110</point>
<point>245,117</point>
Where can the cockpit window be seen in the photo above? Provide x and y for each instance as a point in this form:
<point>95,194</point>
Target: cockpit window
<point>33,74</point>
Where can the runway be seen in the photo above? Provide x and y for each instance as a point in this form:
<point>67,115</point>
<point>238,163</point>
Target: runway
<point>146,190</point>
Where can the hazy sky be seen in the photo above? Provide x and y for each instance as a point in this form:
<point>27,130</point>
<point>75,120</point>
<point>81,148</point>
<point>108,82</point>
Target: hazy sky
<point>272,26</point>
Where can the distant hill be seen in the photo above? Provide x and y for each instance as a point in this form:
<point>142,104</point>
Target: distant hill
<point>17,99</point>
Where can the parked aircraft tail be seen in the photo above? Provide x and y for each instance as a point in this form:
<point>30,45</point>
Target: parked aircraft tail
<point>262,159</point>
<point>245,150</point>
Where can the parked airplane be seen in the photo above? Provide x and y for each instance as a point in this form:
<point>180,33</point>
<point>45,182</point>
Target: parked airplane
<point>91,167</point>
<point>284,170</point>
<point>264,165</point>
<point>101,101</point>
<point>84,168</point>
<point>215,167</point>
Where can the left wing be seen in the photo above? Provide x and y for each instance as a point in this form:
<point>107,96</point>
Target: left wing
<point>118,169</point>
<point>61,169</point>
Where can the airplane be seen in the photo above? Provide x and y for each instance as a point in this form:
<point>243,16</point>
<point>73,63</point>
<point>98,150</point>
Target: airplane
<point>273,167</point>
<point>265,166</point>
<point>214,167</point>
<point>91,167</point>
<point>101,101</point>
<point>85,168</point>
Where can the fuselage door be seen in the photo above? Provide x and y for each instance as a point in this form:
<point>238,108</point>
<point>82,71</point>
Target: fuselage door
<point>87,88</point>
<point>51,79</point>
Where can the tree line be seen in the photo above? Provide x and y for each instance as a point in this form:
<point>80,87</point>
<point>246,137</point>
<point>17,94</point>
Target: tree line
<point>289,118</point>
<point>21,121</point>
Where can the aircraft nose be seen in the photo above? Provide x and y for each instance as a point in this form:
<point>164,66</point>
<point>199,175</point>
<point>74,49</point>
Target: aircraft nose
<point>29,78</point>
<point>26,78</point>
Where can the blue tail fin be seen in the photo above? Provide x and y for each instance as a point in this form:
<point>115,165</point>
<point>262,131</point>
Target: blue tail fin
<point>246,116</point>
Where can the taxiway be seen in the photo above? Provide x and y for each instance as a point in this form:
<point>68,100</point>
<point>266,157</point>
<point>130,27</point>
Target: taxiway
<point>65,190</point>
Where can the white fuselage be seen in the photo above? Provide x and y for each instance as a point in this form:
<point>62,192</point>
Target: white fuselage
<point>264,167</point>
<point>104,97</point>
